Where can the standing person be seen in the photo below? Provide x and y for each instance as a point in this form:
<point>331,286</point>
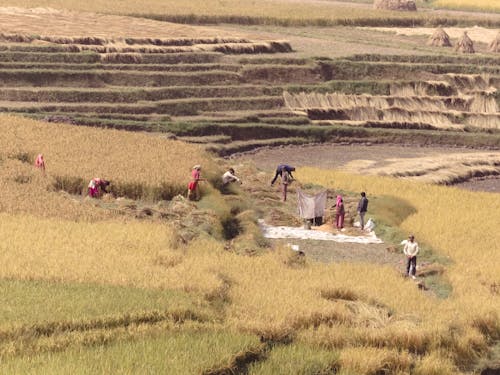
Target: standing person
<point>286,179</point>
<point>411,250</point>
<point>193,189</point>
<point>279,172</point>
<point>229,177</point>
<point>40,162</point>
<point>362,208</point>
<point>339,212</point>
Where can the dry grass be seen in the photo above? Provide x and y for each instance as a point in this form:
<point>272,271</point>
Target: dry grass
<point>437,169</point>
<point>483,5</point>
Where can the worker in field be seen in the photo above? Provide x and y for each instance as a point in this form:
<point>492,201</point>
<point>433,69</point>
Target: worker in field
<point>339,212</point>
<point>193,188</point>
<point>40,162</point>
<point>283,168</point>
<point>286,180</point>
<point>229,177</point>
<point>362,208</point>
<point>97,186</point>
<point>411,250</point>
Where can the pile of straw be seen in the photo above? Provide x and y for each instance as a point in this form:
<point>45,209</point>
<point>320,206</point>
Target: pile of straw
<point>465,44</point>
<point>439,38</point>
<point>495,44</point>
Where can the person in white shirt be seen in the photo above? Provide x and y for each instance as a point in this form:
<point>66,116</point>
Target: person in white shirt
<point>229,177</point>
<point>411,250</point>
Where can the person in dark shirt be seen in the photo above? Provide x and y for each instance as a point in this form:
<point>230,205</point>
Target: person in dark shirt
<point>283,168</point>
<point>362,208</point>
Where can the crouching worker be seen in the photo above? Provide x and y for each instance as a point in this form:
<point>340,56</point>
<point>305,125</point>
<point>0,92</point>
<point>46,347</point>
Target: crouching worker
<point>229,177</point>
<point>97,186</point>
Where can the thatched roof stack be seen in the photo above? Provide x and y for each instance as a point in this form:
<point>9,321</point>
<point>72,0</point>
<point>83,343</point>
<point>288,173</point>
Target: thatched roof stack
<point>405,5</point>
<point>495,44</point>
<point>439,38</point>
<point>465,44</point>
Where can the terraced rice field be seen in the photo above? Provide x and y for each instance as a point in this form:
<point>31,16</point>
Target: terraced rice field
<point>179,89</point>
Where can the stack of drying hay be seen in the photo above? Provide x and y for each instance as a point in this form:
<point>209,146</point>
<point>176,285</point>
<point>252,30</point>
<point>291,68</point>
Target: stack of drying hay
<point>495,44</point>
<point>465,44</point>
<point>439,39</point>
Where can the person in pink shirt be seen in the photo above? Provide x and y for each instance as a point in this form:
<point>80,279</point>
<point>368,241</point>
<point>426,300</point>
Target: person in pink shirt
<point>193,189</point>
<point>40,162</point>
<point>96,185</point>
<point>339,212</point>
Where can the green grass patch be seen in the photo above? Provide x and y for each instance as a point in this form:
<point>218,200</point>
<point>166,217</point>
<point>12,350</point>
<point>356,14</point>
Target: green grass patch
<point>134,94</point>
<point>96,78</point>
<point>298,359</point>
<point>184,352</point>
<point>36,301</point>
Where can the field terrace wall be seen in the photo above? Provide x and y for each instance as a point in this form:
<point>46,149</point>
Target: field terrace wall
<point>218,90</point>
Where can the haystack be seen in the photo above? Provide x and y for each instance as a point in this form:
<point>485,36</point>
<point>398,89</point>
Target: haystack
<point>405,5</point>
<point>495,44</point>
<point>439,39</point>
<point>465,44</point>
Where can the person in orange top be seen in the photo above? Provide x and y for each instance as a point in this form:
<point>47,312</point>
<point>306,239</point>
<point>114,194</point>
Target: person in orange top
<point>40,162</point>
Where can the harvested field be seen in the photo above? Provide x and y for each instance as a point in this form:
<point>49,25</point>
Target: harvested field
<point>375,159</point>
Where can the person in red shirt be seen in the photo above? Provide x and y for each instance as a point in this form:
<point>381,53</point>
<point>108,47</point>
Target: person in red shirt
<point>193,189</point>
<point>40,162</point>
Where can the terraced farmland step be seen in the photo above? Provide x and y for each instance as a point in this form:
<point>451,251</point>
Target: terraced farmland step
<point>124,58</point>
<point>101,78</point>
<point>135,94</point>
<point>120,67</point>
<point>355,70</point>
<point>441,59</point>
<point>170,107</point>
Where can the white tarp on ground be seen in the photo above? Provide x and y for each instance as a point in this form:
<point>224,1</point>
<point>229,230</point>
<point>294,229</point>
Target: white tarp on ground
<point>311,206</point>
<point>270,231</point>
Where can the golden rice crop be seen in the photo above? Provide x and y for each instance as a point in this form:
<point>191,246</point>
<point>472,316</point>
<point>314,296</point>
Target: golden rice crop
<point>266,8</point>
<point>139,164</point>
<point>457,223</point>
<point>113,154</point>
<point>485,5</point>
